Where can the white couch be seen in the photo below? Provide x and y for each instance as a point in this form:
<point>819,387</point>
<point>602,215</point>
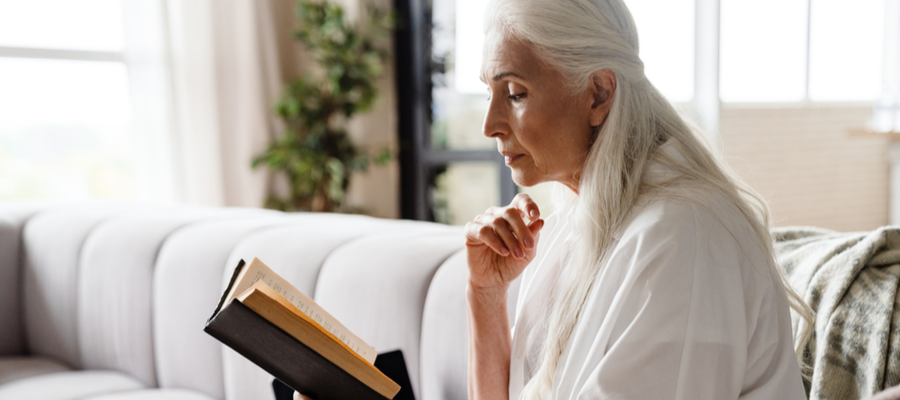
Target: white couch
<point>104,301</point>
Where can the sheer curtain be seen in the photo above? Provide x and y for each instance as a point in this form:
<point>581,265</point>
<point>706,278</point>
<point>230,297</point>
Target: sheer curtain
<point>205,75</point>
<point>227,60</point>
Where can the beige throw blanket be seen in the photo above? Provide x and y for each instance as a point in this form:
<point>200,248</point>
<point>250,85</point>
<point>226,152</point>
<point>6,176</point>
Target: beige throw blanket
<point>851,281</point>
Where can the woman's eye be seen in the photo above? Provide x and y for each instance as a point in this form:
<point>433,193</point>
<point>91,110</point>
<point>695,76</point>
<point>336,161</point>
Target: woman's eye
<point>517,96</point>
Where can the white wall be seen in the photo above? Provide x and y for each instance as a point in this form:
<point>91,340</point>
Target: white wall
<point>804,162</point>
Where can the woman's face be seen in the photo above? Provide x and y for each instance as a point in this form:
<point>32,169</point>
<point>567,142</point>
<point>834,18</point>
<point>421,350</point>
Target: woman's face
<point>542,129</point>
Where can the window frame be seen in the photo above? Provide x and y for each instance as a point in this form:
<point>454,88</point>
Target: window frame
<point>62,54</point>
<point>418,161</point>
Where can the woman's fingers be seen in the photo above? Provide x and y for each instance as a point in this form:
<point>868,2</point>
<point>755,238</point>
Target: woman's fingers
<point>479,232</point>
<point>528,207</point>
<point>513,218</point>
<point>502,228</point>
<point>535,227</point>
<point>496,226</point>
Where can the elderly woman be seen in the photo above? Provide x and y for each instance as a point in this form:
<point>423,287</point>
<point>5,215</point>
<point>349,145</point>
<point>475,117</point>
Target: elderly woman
<point>656,278</point>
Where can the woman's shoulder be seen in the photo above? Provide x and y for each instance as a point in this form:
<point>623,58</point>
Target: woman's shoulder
<point>709,238</point>
<point>678,206</point>
<point>659,217</point>
<point>714,229</point>
<point>674,216</point>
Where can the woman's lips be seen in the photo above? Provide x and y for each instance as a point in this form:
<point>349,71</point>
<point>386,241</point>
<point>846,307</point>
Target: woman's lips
<point>511,157</point>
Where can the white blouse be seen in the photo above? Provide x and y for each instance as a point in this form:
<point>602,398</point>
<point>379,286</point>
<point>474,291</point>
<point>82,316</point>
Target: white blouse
<point>681,310</point>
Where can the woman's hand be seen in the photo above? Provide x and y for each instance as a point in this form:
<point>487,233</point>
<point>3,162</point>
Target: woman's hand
<point>500,244</point>
<point>298,396</point>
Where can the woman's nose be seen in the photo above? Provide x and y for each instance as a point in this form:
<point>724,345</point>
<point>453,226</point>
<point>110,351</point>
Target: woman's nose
<point>495,123</point>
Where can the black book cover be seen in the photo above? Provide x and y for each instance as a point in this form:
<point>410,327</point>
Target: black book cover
<point>283,356</point>
<point>390,364</point>
<point>393,365</point>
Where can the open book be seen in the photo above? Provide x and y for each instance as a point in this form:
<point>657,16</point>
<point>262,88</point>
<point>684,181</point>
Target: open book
<point>270,322</point>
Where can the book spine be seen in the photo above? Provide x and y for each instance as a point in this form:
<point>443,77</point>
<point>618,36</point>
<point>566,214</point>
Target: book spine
<point>237,271</point>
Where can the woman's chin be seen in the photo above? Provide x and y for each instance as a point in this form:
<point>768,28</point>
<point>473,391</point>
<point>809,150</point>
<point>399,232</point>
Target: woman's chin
<point>523,179</point>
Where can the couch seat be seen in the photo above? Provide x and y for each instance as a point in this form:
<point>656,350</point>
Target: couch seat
<point>69,385</point>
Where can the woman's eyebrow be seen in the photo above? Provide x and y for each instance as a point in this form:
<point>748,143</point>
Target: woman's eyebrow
<point>504,75</point>
<point>501,76</point>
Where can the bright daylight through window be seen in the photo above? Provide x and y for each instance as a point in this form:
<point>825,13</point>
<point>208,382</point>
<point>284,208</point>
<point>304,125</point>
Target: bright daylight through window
<point>66,89</point>
<point>64,125</point>
<point>781,51</point>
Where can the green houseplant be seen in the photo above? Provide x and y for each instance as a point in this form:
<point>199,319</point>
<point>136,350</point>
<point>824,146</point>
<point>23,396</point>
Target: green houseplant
<point>314,152</point>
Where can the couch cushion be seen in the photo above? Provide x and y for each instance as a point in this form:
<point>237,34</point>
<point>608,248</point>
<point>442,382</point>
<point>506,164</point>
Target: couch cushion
<point>115,277</point>
<point>445,335</point>
<point>71,385</point>
<point>15,368</point>
<point>187,285</point>
<point>296,252</point>
<point>377,287</point>
<point>52,243</point>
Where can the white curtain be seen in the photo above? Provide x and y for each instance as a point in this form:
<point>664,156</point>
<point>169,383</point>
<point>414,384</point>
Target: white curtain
<point>227,60</point>
<point>205,75</point>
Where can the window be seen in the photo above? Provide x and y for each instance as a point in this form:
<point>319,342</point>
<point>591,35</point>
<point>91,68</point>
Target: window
<point>846,49</point>
<point>443,153</point>
<point>801,50</point>
<point>66,130</point>
<point>86,25</point>
<point>666,35</point>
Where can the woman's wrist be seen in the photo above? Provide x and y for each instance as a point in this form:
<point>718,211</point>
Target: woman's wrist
<point>487,295</point>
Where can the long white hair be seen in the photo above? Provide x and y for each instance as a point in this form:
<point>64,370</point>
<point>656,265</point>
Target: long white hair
<point>579,37</point>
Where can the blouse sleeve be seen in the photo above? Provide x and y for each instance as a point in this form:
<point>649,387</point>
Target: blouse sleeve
<point>669,319</point>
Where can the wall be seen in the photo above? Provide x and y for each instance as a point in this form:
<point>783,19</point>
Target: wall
<point>376,191</point>
<point>805,163</point>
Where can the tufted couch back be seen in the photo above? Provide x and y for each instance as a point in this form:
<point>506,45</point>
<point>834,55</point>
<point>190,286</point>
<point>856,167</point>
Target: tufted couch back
<point>108,301</point>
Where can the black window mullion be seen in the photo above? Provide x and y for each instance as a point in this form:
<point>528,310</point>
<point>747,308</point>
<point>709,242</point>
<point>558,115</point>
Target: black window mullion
<point>418,160</point>
<point>412,41</point>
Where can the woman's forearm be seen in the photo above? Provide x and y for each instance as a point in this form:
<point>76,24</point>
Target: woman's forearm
<point>490,341</point>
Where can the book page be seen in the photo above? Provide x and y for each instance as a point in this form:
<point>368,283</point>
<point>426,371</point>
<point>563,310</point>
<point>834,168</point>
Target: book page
<point>256,271</point>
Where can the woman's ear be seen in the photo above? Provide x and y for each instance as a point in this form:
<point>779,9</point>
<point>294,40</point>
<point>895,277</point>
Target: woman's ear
<point>602,89</point>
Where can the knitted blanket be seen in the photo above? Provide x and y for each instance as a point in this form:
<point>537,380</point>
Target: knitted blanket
<point>850,280</point>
